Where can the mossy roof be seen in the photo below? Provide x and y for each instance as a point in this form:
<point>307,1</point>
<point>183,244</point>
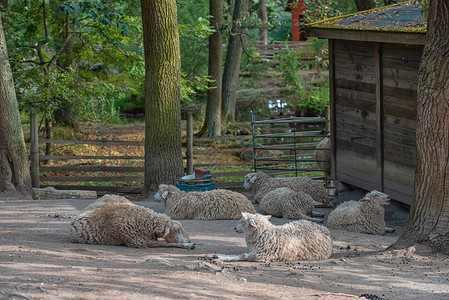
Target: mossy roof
<point>404,17</point>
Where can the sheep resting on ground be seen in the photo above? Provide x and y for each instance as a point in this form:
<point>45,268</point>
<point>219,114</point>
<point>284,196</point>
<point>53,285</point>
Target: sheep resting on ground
<point>364,216</point>
<point>297,240</point>
<point>285,203</point>
<point>261,184</point>
<point>208,205</point>
<point>114,220</point>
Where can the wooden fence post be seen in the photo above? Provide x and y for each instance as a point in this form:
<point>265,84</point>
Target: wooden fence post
<point>189,152</point>
<point>34,145</point>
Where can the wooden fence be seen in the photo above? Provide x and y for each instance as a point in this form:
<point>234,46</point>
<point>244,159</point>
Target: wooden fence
<point>65,165</point>
<point>269,51</point>
<point>229,158</point>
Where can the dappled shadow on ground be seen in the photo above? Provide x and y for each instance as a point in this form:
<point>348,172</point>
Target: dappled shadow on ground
<point>37,260</point>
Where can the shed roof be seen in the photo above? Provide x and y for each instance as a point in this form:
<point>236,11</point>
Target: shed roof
<point>399,23</point>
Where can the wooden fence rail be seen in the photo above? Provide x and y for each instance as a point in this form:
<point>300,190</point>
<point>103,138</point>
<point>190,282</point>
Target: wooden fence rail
<point>228,165</point>
<point>130,178</point>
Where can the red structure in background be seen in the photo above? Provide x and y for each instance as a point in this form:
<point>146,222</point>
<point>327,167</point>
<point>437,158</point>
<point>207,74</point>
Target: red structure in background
<point>297,8</point>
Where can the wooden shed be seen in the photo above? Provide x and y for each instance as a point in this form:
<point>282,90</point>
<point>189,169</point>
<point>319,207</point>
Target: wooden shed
<point>374,60</point>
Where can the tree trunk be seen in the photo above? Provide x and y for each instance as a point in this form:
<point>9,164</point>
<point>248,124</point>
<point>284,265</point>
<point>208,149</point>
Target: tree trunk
<point>263,32</point>
<point>14,168</point>
<point>163,154</point>
<point>213,107</point>
<point>365,4</point>
<point>233,58</point>
<point>429,215</point>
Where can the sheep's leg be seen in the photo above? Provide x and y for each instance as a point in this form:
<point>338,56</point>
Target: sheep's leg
<point>164,244</point>
<point>317,204</point>
<point>317,214</point>
<point>241,257</point>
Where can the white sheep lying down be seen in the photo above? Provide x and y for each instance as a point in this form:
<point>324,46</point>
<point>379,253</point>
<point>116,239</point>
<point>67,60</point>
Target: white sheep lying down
<point>261,184</point>
<point>207,205</point>
<point>364,216</point>
<point>297,240</point>
<point>114,220</point>
<point>285,203</point>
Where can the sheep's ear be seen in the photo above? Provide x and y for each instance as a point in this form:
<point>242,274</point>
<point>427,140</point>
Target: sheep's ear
<point>253,179</point>
<point>167,231</point>
<point>364,200</point>
<point>244,214</point>
<point>165,194</point>
<point>251,223</point>
<point>266,216</point>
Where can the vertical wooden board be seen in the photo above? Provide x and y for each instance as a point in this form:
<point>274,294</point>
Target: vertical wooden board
<point>356,169</point>
<point>399,173</point>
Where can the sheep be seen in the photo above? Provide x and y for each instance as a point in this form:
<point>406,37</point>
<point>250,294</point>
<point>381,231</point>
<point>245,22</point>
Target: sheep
<point>114,220</point>
<point>297,240</point>
<point>261,184</point>
<point>208,205</point>
<point>323,156</point>
<point>363,216</point>
<point>323,161</point>
<point>285,203</point>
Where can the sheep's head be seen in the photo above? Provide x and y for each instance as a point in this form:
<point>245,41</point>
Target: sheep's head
<point>379,197</point>
<point>249,220</point>
<point>251,178</point>
<point>175,233</point>
<point>164,191</point>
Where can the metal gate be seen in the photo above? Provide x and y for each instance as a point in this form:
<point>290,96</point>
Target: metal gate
<point>288,147</point>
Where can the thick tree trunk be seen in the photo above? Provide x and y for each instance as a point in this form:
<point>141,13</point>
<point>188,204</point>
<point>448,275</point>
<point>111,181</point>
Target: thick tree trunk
<point>213,107</point>
<point>163,155</point>
<point>14,168</point>
<point>233,58</point>
<point>429,217</point>
<point>263,32</point>
<point>365,4</point>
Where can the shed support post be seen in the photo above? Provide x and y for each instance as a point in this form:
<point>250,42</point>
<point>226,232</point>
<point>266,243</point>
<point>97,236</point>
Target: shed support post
<point>379,117</point>
<point>332,123</point>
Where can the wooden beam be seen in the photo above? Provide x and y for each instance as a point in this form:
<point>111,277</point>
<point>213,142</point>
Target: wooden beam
<point>410,38</point>
<point>379,117</point>
<point>332,103</point>
<point>111,189</point>
<point>97,168</point>
<point>86,142</point>
<point>93,179</point>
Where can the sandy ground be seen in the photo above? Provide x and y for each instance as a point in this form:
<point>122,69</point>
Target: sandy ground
<point>38,261</point>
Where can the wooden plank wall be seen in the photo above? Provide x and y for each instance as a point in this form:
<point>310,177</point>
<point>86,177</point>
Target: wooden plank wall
<point>400,72</point>
<point>355,116</point>
<point>355,113</point>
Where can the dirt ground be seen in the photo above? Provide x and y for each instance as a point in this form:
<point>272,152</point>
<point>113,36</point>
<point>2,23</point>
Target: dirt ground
<point>38,261</point>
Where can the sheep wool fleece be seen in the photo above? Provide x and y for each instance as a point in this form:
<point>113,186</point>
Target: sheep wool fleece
<point>114,220</point>
<point>264,184</point>
<point>286,203</point>
<point>297,240</point>
<point>207,205</point>
<point>354,216</point>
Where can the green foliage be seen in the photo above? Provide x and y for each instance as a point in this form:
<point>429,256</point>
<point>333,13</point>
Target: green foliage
<point>306,92</point>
